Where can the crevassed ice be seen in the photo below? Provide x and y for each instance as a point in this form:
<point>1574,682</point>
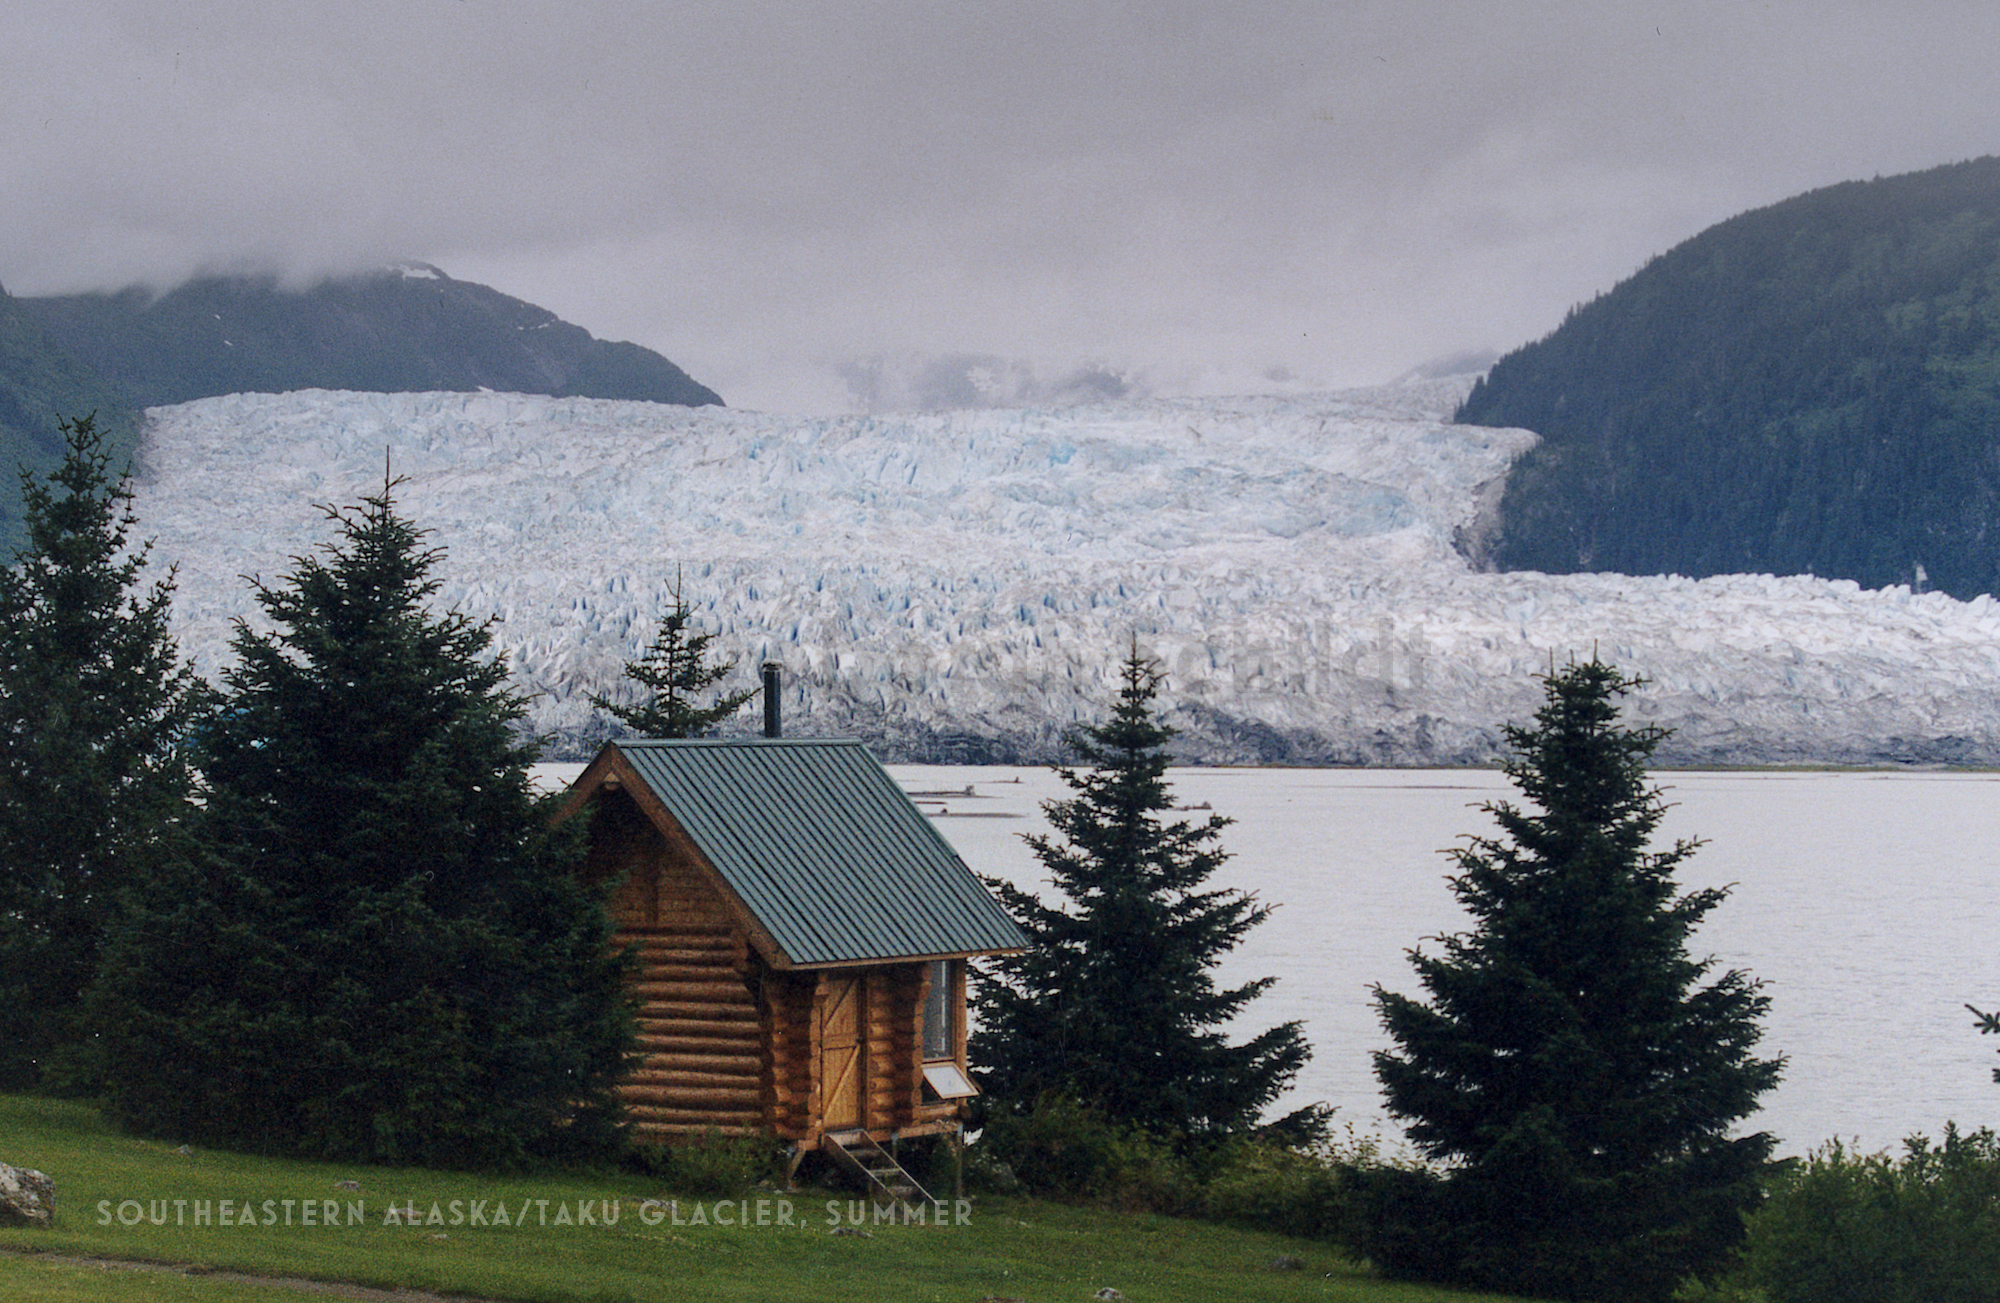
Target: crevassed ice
<point>936,577</point>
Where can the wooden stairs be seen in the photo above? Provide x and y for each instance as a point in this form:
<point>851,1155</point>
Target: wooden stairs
<point>888,1183</point>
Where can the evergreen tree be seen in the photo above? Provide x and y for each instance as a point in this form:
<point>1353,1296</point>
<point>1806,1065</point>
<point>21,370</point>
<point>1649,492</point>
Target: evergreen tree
<point>94,702</point>
<point>1113,1005</point>
<point>675,671</point>
<point>1571,1068</point>
<point>379,951</point>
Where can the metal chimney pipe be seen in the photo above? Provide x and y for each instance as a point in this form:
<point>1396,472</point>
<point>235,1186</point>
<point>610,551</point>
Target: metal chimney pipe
<point>773,723</point>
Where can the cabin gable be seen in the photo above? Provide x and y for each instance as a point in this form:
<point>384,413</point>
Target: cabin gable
<point>701,1060</point>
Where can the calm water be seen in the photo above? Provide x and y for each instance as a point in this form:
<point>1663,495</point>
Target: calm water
<point>1869,904</point>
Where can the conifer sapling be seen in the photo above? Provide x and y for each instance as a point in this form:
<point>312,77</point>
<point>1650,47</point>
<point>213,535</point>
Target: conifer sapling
<point>675,672</point>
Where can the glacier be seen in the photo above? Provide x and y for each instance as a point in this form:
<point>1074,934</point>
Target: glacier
<point>960,586</point>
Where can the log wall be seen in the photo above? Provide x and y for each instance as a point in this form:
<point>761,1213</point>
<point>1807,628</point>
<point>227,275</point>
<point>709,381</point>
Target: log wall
<point>699,1035</point>
<point>791,1041</point>
<point>895,1040</point>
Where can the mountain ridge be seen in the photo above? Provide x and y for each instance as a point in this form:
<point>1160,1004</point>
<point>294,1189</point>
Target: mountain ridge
<point>1811,387</point>
<point>405,328</point>
<point>408,328</point>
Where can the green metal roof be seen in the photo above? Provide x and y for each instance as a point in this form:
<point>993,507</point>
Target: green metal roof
<point>831,856</point>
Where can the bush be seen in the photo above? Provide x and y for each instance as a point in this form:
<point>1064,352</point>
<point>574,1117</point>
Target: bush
<point>988,1173</point>
<point>933,1161</point>
<point>1275,1187</point>
<point>1872,1228</point>
<point>715,1164</point>
<point>1063,1149</point>
<point>1402,1222</point>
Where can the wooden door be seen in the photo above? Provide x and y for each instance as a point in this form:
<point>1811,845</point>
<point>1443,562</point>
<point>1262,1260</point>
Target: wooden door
<point>841,1052</point>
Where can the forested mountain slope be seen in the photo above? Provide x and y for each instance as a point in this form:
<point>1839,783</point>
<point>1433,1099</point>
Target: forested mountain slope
<point>399,330</point>
<point>1809,388</point>
<point>41,384</point>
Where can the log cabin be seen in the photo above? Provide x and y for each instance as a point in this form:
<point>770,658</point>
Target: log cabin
<point>802,932</point>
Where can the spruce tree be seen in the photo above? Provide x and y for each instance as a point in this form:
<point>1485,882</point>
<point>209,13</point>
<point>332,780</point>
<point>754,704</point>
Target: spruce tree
<point>675,672</point>
<point>1574,1068</point>
<point>1114,1005</point>
<point>379,951</point>
<point>94,702</point>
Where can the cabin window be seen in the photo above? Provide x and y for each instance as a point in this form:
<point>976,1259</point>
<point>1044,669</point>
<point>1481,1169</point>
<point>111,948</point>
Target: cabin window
<point>948,1081</point>
<point>940,1020</point>
<point>943,1077</point>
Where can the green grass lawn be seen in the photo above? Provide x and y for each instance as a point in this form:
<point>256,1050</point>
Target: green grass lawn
<point>588,1237</point>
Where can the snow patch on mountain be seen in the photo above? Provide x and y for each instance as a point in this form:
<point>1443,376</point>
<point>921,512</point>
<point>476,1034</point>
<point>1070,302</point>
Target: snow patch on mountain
<point>961,585</point>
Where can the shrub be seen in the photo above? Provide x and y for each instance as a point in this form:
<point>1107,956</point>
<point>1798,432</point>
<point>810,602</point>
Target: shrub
<point>715,1164</point>
<point>1306,1187</point>
<point>1061,1148</point>
<point>1841,1227</point>
<point>1275,1187</point>
<point>988,1173</point>
<point>934,1162</point>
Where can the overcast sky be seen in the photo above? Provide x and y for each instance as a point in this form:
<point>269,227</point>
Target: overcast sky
<point>1214,197</point>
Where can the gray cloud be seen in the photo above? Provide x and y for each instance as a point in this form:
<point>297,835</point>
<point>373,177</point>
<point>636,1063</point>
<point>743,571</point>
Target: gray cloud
<point>1333,191</point>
